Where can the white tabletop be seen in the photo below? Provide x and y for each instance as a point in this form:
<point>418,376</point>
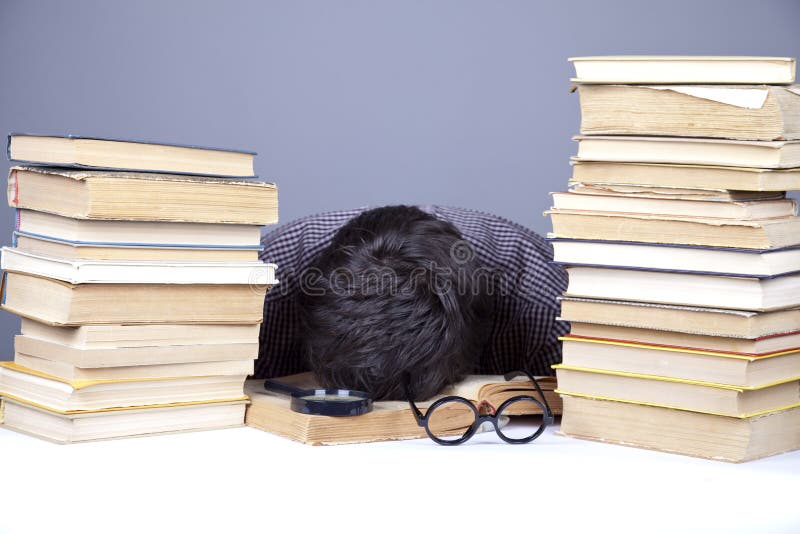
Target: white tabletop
<point>244,479</point>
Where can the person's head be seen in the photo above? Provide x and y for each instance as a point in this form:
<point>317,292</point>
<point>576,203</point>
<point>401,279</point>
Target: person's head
<point>394,295</point>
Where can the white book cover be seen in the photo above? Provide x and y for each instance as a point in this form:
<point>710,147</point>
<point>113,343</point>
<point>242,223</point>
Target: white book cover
<point>138,272</point>
<point>684,69</point>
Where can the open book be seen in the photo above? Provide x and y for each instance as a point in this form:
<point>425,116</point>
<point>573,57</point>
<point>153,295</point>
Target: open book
<point>389,420</point>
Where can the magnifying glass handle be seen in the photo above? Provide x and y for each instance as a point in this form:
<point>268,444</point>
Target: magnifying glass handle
<point>280,387</point>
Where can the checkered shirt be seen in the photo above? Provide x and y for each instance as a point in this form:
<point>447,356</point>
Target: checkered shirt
<point>523,334</point>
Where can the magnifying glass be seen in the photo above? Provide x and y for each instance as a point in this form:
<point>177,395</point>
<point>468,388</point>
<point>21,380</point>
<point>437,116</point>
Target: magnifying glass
<point>331,402</point>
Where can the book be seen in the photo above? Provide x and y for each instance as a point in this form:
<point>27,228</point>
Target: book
<point>679,394</point>
<point>389,420</point>
<point>682,258</point>
<point>126,356</point>
<point>136,233</point>
<point>759,112</point>
<point>671,192</point>
<point>671,229</point>
<point>730,439</point>
<point>60,303</point>
<point>110,195</point>
<point>685,363</point>
<point>69,372</point>
<point>746,347</point>
<point>742,324</point>
<point>53,393</point>
<point>683,69</point>
<point>746,210</point>
<point>142,335</point>
<point>689,289</point>
<point>690,150</point>
<point>73,250</point>
<point>136,272</point>
<point>140,421</point>
<point>682,175</point>
<point>132,155</point>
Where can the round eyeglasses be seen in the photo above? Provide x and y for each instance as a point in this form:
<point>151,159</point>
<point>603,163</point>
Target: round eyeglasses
<point>452,420</point>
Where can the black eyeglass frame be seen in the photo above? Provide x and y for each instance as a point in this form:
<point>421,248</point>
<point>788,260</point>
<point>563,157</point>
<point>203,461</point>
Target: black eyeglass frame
<point>547,413</point>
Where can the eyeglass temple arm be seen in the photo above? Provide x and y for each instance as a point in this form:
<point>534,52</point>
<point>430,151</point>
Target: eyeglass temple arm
<point>417,414</point>
<point>513,374</point>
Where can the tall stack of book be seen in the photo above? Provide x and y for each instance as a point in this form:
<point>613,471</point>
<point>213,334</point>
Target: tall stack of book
<point>135,269</point>
<point>683,256</point>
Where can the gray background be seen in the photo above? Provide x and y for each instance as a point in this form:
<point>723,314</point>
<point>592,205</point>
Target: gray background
<point>352,103</point>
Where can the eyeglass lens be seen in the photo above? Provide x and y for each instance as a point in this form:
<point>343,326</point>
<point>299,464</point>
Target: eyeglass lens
<point>451,420</point>
<point>521,427</point>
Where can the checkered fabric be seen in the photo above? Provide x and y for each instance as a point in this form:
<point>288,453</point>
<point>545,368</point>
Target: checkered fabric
<point>523,333</point>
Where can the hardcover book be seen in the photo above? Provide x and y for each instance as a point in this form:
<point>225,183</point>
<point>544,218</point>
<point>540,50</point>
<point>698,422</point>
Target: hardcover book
<point>74,250</point>
<point>672,192</point>
<point>65,396</point>
<point>676,230</point>
<point>690,151</point>
<point>684,175</point>
<point>136,233</point>
<point>712,209</point>
<point>736,369</point>
<point>681,394</point>
<point>131,155</point>
<point>110,195</point>
<point>136,272</point>
<point>140,354</point>
<point>60,303</point>
<point>747,347</point>
<point>742,324</point>
<point>72,373</point>
<point>677,258</point>
<point>94,425</point>
<point>729,439</point>
<point>143,335</point>
<point>683,69</point>
<point>690,289</point>
<point>759,112</point>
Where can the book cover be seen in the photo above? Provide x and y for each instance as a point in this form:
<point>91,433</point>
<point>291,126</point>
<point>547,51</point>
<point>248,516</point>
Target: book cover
<point>79,165</point>
<point>683,69</point>
<point>137,272</point>
<point>142,196</point>
<point>63,428</point>
<point>678,393</point>
<point>736,369</point>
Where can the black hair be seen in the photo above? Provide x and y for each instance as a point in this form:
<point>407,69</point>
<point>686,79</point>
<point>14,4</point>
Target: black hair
<point>394,297</point>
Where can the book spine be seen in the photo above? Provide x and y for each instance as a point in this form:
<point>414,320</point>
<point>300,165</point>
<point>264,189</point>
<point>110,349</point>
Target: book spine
<point>13,189</point>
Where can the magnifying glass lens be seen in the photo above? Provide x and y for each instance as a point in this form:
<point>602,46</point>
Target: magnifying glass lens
<point>330,398</point>
<point>331,402</point>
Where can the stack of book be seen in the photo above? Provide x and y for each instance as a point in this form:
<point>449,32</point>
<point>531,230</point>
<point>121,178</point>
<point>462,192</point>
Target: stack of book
<point>135,268</point>
<point>683,258</point>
